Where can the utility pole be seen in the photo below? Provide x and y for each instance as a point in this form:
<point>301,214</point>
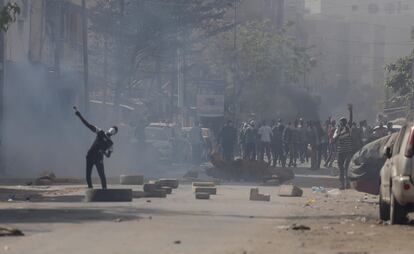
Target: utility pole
<point>2,64</point>
<point>235,78</point>
<point>85,57</point>
<point>280,13</point>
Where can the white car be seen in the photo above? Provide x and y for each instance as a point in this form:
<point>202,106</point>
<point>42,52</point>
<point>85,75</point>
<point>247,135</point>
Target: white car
<point>397,174</point>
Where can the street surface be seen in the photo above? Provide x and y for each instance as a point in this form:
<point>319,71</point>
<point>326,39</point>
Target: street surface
<point>56,220</point>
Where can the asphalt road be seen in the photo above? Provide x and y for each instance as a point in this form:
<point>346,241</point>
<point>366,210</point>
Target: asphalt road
<point>55,220</point>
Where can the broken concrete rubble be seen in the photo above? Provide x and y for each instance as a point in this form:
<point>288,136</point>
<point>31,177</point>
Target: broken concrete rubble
<point>209,190</point>
<point>202,195</point>
<point>256,196</point>
<point>290,191</point>
<point>108,195</point>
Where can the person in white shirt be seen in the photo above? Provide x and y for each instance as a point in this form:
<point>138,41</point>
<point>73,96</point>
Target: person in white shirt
<point>265,135</point>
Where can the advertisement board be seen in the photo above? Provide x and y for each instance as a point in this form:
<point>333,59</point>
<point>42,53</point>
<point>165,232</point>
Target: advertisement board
<point>210,98</point>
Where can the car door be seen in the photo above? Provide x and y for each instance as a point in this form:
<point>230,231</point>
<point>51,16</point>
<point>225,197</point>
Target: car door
<point>391,164</point>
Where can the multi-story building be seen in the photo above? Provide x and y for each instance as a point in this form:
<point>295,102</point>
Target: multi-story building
<point>353,41</point>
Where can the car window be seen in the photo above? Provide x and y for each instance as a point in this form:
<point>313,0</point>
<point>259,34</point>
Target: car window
<point>398,144</point>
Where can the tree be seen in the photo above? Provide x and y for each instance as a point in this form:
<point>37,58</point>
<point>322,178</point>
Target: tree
<point>8,15</point>
<point>143,37</point>
<point>266,56</point>
<point>400,76</point>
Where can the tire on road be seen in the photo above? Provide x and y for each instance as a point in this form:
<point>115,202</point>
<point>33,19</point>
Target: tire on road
<point>131,179</point>
<point>384,209</point>
<point>108,195</point>
<point>398,213</point>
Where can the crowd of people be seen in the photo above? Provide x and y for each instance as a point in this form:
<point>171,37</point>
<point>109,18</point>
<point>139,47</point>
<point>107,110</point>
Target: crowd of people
<point>288,144</point>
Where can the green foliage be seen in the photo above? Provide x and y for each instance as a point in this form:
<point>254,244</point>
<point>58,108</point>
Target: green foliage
<point>144,35</point>
<point>400,75</point>
<point>8,15</point>
<point>264,57</point>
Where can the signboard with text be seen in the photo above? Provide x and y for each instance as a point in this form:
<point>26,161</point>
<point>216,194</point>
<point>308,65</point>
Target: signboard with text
<point>210,98</point>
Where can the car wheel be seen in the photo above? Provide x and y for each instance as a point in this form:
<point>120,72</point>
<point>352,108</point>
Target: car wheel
<point>398,213</point>
<point>384,209</point>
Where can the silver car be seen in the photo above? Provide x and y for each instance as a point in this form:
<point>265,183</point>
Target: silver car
<point>397,174</point>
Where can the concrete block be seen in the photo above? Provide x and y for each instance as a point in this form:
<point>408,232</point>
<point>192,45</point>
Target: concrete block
<point>172,183</point>
<point>204,184</point>
<point>131,179</point>
<point>167,190</point>
<point>209,190</point>
<point>149,187</point>
<point>256,196</point>
<point>156,194</point>
<point>202,195</point>
<point>290,191</point>
<point>108,195</point>
<point>138,194</point>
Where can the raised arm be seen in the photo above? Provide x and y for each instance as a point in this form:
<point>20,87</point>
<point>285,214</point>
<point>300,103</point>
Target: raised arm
<point>351,115</point>
<point>86,123</point>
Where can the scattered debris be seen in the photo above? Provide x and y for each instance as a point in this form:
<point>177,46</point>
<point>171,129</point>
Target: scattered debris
<point>310,202</point>
<point>290,191</point>
<point>318,189</point>
<point>118,220</point>
<point>334,192</point>
<point>7,231</point>
<point>247,170</point>
<point>256,196</point>
<point>283,227</point>
<point>299,227</point>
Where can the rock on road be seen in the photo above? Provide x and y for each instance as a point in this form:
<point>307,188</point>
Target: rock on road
<point>228,223</point>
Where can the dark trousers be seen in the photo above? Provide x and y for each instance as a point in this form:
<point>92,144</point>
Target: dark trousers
<point>100,167</point>
<point>228,152</point>
<point>278,155</point>
<point>265,149</point>
<point>251,151</point>
<point>344,159</point>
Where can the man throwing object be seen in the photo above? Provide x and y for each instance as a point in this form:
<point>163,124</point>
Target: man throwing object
<point>100,147</point>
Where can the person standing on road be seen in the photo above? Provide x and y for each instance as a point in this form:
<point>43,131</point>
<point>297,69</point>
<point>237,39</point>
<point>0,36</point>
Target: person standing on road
<point>265,134</point>
<point>102,145</point>
<point>331,143</point>
<point>250,139</point>
<point>277,145</point>
<point>343,136</point>
<point>288,141</point>
<point>228,137</point>
<point>197,142</point>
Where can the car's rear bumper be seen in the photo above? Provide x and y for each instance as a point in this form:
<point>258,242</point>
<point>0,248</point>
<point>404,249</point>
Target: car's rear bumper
<point>403,189</point>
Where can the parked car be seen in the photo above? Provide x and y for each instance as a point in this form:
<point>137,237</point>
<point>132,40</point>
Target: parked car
<point>396,186</point>
<point>167,141</point>
<point>364,169</point>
